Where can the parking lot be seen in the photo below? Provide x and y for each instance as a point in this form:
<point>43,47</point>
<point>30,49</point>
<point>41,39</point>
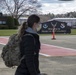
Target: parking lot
<point>52,64</point>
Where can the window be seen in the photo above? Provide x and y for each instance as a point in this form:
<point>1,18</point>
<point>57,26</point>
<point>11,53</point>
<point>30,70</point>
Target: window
<point>0,22</point>
<point>4,22</point>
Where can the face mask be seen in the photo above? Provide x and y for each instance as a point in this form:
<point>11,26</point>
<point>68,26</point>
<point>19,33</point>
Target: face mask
<point>38,27</point>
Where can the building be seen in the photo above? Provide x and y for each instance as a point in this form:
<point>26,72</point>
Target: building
<point>22,20</point>
<point>70,21</point>
<point>47,27</point>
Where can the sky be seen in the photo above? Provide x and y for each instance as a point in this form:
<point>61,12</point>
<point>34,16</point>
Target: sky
<point>57,7</point>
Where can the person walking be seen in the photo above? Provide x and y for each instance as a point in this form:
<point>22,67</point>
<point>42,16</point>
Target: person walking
<point>29,47</point>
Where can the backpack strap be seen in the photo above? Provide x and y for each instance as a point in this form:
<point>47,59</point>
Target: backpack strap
<point>31,36</point>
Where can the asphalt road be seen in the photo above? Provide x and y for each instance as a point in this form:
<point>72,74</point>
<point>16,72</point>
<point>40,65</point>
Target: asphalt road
<point>67,41</point>
<point>62,65</point>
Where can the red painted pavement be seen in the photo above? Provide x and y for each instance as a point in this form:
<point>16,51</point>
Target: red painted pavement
<point>55,51</point>
<point>49,49</point>
<point>3,40</point>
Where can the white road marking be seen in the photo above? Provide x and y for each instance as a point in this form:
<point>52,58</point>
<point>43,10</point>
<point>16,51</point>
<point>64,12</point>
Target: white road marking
<point>5,37</point>
<point>2,44</point>
<point>44,54</point>
<point>60,47</point>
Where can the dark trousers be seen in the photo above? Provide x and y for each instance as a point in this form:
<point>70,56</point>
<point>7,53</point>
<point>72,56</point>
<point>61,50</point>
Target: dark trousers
<point>22,70</point>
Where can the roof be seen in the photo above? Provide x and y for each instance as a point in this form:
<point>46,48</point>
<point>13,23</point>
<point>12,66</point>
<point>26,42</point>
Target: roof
<point>62,19</point>
<point>23,18</point>
<point>54,21</point>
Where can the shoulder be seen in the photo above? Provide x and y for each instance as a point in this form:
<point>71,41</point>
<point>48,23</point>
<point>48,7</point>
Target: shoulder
<point>29,37</point>
<point>27,40</point>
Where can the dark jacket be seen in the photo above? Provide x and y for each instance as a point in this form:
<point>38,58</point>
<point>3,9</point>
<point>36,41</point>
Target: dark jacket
<point>29,47</point>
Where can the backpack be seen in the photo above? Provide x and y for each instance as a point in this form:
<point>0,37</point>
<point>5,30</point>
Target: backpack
<point>11,52</point>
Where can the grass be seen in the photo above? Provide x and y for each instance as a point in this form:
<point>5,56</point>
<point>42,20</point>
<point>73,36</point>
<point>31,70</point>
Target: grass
<point>73,31</point>
<point>7,32</point>
<point>13,31</point>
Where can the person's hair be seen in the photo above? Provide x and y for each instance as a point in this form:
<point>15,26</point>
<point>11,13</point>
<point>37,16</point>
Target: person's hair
<point>30,22</point>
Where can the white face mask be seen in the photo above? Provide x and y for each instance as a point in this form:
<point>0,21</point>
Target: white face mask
<point>38,27</point>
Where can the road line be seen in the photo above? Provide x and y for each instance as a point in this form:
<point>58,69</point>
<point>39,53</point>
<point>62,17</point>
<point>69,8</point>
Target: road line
<point>60,47</point>
<point>2,44</point>
<point>45,55</point>
<point>5,37</point>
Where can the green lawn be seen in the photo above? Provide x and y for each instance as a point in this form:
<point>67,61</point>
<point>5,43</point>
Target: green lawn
<point>73,31</point>
<point>7,32</point>
<point>12,31</point>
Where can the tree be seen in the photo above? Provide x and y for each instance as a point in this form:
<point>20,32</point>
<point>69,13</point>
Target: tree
<point>66,0</point>
<point>17,8</point>
<point>10,22</point>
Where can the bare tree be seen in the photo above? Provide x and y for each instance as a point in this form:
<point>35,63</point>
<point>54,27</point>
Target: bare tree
<point>17,8</point>
<point>66,0</point>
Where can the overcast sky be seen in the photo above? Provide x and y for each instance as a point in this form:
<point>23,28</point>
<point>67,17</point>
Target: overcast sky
<point>57,7</point>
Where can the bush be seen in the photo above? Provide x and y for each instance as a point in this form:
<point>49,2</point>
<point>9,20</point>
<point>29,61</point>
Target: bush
<point>3,27</point>
<point>10,22</point>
